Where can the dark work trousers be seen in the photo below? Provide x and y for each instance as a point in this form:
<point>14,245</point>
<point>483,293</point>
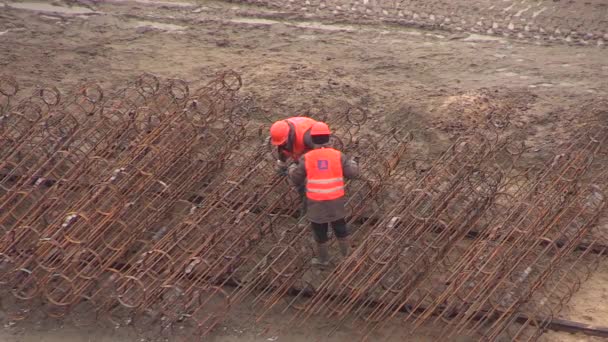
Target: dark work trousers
<point>320,230</point>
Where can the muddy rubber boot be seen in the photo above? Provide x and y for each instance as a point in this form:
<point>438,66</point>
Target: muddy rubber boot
<point>344,245</point>
<point>323,255</point>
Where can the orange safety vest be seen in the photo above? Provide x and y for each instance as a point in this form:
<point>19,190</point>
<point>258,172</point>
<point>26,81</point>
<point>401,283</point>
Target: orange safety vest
<point>324,177</point>
<point>299,125</point>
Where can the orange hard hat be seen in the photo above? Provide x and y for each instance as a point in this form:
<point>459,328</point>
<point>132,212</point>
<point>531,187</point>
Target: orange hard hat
<point>279,132</point>
<point>320,128</point>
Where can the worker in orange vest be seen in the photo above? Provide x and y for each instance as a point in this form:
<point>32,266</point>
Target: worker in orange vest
<point>323,172</point>
<point>292,138</point>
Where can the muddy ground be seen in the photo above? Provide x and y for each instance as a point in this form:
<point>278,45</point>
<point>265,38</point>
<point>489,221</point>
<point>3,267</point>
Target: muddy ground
<point>436,83</point>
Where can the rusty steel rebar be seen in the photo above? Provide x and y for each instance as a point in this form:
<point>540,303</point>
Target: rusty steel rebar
<point>158,206</point>
<point>85,213</point>
<point>416,260</point>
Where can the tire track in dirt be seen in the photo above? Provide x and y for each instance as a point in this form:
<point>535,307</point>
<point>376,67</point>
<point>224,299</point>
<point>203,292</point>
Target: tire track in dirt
<point>535,21</point>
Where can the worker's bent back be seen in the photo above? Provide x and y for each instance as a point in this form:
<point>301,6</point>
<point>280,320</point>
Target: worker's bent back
<point>324,174</point>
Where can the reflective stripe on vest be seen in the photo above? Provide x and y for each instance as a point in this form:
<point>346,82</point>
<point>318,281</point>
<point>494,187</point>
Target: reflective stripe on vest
<point>301,124</point>
<point>324,178</point>
<point>326,191</point>
<point>326,181</point>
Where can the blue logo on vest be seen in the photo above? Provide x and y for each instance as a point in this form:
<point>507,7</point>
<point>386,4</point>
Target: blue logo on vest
<point>322,165</point>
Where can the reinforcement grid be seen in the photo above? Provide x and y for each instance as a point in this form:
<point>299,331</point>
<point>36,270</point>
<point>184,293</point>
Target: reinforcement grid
<point>158,206</point>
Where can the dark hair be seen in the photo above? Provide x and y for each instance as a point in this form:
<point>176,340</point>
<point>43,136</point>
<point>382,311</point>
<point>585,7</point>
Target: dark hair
<point>320,139</point>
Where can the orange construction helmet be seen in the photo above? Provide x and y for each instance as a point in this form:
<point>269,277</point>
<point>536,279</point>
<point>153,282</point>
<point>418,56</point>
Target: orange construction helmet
<point>279,132</point>
<point>320,128</point>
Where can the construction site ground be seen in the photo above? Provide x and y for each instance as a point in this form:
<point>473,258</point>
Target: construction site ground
<point>435,83</point>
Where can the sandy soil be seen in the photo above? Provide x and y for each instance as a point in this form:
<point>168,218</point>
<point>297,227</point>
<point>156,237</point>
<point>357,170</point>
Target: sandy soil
<point>436,83</point>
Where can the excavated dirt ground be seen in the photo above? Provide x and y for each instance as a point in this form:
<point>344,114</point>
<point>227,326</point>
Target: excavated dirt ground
<point>436,83</point>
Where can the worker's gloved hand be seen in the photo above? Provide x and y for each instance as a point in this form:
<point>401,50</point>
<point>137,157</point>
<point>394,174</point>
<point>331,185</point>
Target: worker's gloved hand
<point>282,168</point>
<point>292,168</point>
